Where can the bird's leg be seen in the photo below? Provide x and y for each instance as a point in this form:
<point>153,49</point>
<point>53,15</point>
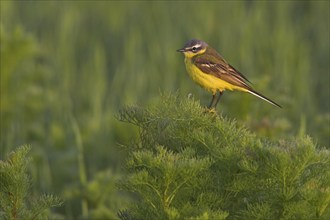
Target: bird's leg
<point>218,99</point>
<point>213,98</point>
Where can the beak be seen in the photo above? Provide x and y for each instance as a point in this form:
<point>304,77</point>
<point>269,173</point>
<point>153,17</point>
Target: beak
<point>182,50</point>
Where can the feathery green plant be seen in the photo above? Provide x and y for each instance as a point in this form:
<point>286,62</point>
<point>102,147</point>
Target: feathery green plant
<point>189,163</point>
<point>16,201</point>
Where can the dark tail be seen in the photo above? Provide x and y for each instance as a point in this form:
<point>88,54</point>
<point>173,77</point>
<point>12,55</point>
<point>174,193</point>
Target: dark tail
<point>263,97</point>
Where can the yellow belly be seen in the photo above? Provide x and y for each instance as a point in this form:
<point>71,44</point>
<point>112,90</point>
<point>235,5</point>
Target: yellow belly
<point>208,81</point>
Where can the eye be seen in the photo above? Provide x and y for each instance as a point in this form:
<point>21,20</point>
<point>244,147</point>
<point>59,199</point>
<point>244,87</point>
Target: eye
<point>194,49</point>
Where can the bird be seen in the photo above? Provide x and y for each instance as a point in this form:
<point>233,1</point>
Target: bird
<point>212,72</point>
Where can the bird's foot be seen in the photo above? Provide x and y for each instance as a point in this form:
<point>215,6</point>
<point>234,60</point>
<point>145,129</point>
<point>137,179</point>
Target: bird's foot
<point>213,111</point>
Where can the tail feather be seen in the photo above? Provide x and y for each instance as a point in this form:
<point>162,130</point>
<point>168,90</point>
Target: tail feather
<point>263,97</point>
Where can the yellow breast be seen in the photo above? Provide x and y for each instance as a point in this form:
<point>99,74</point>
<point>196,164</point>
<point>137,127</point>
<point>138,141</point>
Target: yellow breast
<point>207,81</point>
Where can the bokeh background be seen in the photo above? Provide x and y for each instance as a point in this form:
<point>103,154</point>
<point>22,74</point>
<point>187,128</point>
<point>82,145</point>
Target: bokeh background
<point>67,67</point>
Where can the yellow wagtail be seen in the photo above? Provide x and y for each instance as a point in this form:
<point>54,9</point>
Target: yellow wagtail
<point>208,69</point>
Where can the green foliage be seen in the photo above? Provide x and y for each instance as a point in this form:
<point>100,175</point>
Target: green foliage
<point>67,67</point>
<point>101,196</point>
<point>161,177</point>
<point>16,201</point>
<point>35,109</point>
<point>189,163</point>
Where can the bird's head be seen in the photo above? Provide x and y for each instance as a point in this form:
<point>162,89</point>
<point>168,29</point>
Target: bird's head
<point>193,47</point>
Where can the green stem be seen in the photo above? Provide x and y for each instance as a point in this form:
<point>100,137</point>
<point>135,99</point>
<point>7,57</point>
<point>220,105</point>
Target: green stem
<point>81,164</point>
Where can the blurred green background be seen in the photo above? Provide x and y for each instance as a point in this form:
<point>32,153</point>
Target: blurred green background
<point>68,67</point>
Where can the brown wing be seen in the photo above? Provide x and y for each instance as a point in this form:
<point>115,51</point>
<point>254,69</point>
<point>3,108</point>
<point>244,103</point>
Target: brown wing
<point>233,70</point>
<point>214,64</point>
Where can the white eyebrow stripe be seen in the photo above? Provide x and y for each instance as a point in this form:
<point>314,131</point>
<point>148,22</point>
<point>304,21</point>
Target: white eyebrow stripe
<point>197,45</point>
